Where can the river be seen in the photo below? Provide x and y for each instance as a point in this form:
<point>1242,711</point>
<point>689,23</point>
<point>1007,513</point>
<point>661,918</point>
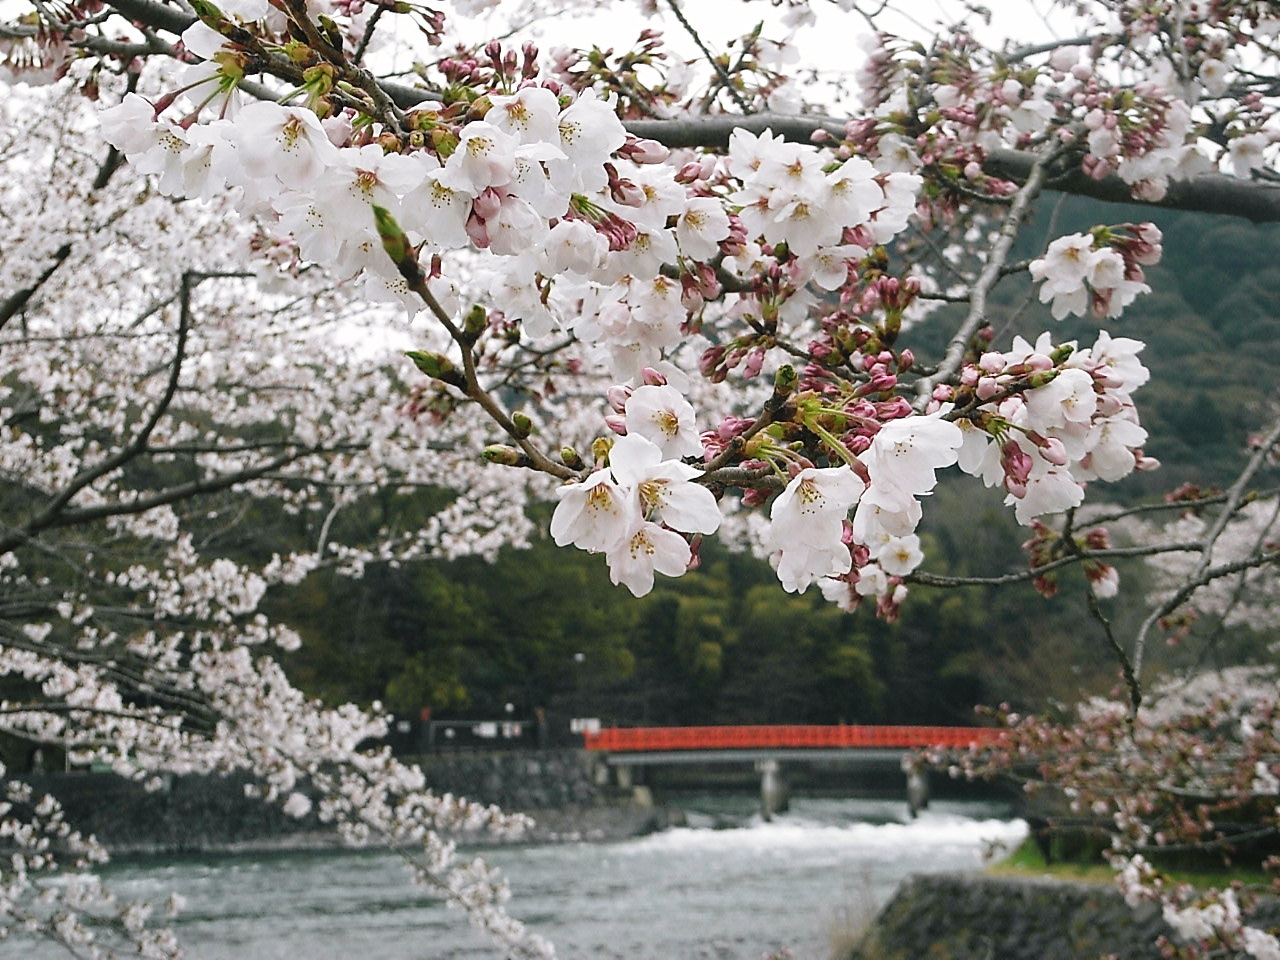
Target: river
<point>727,887</point>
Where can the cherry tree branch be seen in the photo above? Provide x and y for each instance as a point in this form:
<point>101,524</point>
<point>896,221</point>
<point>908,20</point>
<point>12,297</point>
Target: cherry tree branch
<point>1258,201</point>
<point>1022,576</point>
<point>417,282</point>
<point>55,507</point>
<point>13,304</point>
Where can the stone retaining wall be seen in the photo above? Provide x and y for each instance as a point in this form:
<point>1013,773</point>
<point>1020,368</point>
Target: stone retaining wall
<point>516,780</point>
<point>212,813</point>
<point>975,917</point>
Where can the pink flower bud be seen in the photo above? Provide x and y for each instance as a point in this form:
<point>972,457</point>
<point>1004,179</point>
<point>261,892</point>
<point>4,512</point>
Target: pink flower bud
<point>1017,464</point>
<point>617,424</point>
<point>886,381</point>
<point>646,151</point>
<point>652,377</point>
<point>627,193</point>
<point>618,396</point>
<point>1109,404</point>
<point>861,409</point>
<point>858,443</point>
<point>708,283</point>
<point>1099,538</point>
<point>1053,451</point>
<point>478,232</point>
<point>894,409</point>
<point>1145,464</point>
<point>992,362</point>
<point>987,388</point>
<point>690,172</point>
<point>710,359</point>
<point>487,204</point>
<point>1038,361</point>
<point>731,427</point>
<point>691,297</point>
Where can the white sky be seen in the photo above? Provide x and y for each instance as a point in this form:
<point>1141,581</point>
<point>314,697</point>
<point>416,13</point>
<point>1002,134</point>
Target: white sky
<point>831,45</point>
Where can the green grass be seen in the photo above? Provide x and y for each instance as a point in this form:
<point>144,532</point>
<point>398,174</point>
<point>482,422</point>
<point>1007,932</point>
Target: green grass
<point>1027,861</point>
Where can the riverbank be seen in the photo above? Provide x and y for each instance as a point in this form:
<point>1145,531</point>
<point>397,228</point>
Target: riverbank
<point>966,916</point>
<point>212,815</point>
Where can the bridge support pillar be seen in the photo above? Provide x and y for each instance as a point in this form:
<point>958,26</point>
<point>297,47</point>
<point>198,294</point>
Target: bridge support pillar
<point>625,780</point>
<point>917,785</point>
<point>774,796</point>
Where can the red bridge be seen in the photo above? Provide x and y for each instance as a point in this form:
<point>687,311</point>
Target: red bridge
<point>785,737</point>
<point>767,747</point>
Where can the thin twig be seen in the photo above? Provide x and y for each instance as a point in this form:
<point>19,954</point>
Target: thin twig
<point>716,65</point>
<point>1202,574</point>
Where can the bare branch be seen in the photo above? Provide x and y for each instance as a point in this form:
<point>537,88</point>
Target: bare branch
<point>1203,573</point>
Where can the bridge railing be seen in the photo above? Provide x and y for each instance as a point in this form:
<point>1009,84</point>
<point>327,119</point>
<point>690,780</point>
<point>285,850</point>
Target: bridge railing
<point>622,739</point>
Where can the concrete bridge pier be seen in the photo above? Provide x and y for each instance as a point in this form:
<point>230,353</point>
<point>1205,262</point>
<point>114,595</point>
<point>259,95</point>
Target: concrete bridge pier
<point>625,779</point>
<point>774,796</point>
<point>917,786</point>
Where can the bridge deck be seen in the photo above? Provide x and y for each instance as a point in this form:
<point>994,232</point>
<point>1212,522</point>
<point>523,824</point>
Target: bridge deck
<point>843,756</point>
<point>806,738</point>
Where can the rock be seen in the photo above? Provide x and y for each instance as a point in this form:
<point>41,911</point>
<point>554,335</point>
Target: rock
<point>968,916</point>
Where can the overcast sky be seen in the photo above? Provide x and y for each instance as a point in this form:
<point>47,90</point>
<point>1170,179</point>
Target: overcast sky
<point>830,45</point>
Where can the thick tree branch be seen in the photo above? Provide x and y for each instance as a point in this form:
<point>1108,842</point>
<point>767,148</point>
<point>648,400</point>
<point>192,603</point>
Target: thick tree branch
<point>1258,201</point>
<point>1254,200</point>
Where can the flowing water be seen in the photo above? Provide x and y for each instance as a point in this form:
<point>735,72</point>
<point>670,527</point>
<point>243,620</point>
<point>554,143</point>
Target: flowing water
<point>727,887</point>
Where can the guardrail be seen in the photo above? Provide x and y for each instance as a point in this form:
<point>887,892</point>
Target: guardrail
<point>637,739</point>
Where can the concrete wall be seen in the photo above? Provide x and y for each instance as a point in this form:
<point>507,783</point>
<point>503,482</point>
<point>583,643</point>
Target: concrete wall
<point>976,917</point>
<point>194,814</point>
<point>516,780</point>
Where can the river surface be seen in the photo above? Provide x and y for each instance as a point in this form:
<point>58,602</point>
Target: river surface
<point>727,887</point>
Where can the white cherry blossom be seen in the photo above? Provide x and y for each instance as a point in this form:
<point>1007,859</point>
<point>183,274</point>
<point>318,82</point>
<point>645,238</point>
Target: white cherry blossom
<point>662,415</point>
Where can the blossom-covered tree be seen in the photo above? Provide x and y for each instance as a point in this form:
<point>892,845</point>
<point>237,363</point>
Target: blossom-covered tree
<point>673,295</point>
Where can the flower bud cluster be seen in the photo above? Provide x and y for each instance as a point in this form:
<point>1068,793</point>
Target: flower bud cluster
<point>1100,272</point>
<point>1045,419</point>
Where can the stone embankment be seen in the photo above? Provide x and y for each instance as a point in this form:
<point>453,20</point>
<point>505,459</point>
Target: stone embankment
<point>205,814</point>
<point>966,916</point>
